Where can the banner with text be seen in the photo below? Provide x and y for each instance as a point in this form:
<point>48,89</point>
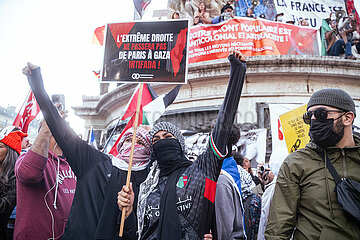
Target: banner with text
<point>314,11</point>
<point>252,37</point>
<point>146,52</point>
<point>296,131</point>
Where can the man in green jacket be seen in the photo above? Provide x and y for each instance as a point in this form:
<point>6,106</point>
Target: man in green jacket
<point>305,204</point>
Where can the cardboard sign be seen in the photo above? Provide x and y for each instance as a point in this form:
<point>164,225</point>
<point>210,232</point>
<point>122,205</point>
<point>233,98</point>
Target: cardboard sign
<point>146,52</point>
<point>296,132</point>
<point>252,37</point>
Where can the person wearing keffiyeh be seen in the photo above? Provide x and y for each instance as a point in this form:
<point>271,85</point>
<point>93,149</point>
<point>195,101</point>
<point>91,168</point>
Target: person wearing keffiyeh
<point>176,201</point>
<point>94,213</point>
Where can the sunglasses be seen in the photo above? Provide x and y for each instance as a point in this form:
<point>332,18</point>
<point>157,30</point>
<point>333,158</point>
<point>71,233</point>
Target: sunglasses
<point>320,114</point>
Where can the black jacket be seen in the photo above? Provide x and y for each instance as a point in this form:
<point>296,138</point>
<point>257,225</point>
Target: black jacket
<point>196,187</point>
<point>94,212</point>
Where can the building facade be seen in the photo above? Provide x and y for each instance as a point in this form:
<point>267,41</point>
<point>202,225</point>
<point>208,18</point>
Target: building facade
<point>7,117</point>
<point>269,79</point>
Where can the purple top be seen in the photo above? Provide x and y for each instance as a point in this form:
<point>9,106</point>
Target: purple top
<point>36,191</point>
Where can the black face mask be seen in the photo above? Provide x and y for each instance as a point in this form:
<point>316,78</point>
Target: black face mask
<point>169,155</point>
<point>322,133</point>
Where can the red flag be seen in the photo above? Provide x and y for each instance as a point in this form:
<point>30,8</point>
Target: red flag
<point>98,37</point>
<point>27,113</point>
<point>130,124</point>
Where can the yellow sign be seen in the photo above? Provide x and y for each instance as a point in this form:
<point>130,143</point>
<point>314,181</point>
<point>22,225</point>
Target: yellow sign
<point>296,132</point>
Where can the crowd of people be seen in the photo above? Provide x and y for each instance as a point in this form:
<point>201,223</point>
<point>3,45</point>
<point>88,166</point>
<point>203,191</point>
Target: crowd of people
<point>343,36</point>
<point>63,188</point>
<point>60,187</point>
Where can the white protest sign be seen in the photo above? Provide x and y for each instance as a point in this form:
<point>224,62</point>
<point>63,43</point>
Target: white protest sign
<point>312,10</point>
<point>254,143</point>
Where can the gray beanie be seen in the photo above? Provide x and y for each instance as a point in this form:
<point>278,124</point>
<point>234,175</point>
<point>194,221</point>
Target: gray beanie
<point>171,128</point>
<point>333,97</point>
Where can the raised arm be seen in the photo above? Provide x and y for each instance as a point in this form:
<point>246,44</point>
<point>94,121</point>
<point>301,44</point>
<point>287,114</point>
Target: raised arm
<point>29,168</point>
<point>221,132</point>
<point>78,153</point>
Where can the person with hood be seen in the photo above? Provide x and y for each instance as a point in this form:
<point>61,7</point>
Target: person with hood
<point>10,148</point>
<point>94,211</point>
<point>304,202</point>
<point>45,189</point>
<point>176,201</point>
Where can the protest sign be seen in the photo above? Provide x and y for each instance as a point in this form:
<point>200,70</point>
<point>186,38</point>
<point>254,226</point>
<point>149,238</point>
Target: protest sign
<point>277,133</point>
<point>314,11</point>
<point>146,52</point>
<point>252,145</point>
<point>296,131</point>
<point>252,37</point>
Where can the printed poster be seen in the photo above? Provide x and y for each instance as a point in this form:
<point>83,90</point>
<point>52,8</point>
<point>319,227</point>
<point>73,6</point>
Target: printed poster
<point>146,52</point>
<point>296,131</point>
<point>314,11</point>
<point>252,37</point>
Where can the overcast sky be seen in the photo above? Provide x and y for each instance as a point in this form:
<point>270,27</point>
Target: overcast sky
<point>57,36</point>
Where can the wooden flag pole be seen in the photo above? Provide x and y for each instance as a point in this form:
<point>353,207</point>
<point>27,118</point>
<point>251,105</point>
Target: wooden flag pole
<point>131,153</point>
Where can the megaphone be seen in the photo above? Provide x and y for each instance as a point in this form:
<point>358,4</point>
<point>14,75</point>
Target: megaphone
<point>340,14</point>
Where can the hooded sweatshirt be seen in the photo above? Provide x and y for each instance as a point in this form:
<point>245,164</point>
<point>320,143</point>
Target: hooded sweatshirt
<point>43,204</point>
<point>304,195</point>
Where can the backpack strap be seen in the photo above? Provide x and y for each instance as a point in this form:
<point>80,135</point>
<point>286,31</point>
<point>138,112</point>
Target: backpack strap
<point>330,167</point>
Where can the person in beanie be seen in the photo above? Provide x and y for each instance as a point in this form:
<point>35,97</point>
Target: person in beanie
<point>10,148</point>
<point>304,202</point>
<point>176,201</point>
<point>94,212</point>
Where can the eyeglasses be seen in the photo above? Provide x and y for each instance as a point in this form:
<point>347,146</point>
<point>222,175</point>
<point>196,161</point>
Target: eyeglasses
<point>320,114</point>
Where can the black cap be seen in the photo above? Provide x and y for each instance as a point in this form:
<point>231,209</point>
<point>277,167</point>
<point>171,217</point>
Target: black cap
<point>333,97</point>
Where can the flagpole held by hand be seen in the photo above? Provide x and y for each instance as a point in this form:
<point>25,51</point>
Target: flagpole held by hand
<point>131,153</point>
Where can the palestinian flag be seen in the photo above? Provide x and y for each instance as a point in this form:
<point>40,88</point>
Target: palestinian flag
<point>151,108</point>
